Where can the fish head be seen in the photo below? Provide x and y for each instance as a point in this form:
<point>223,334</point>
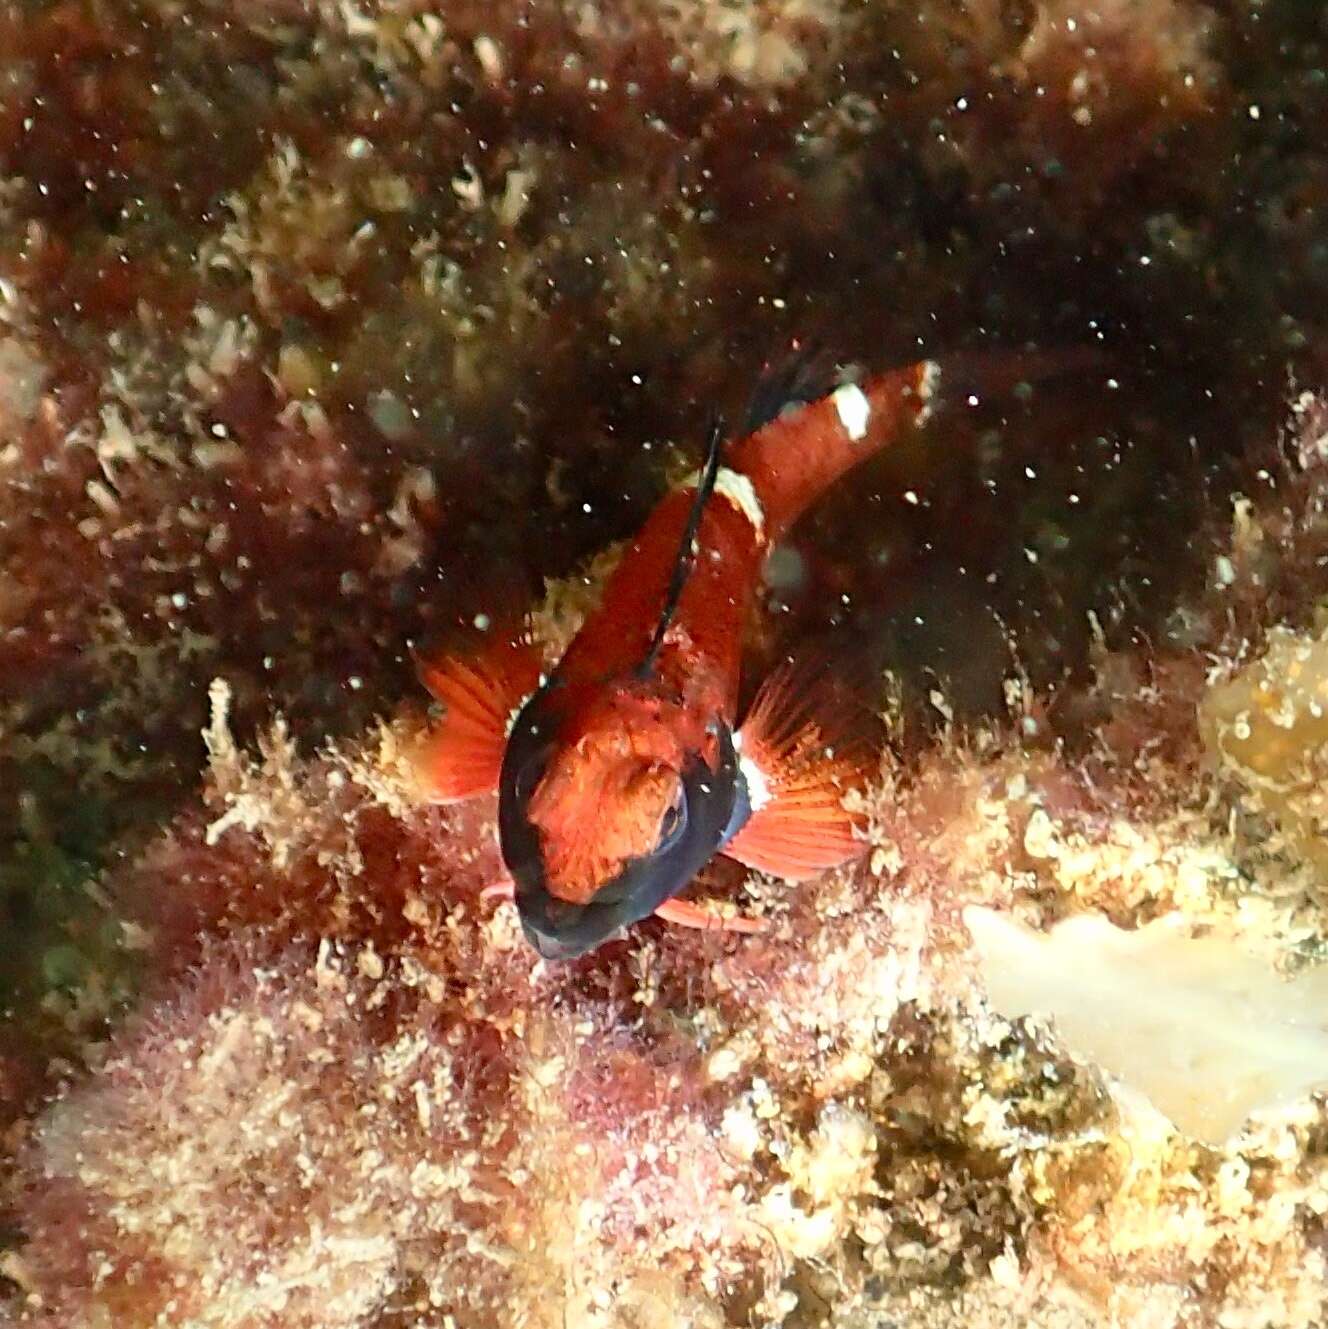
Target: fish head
<point>609,805</point>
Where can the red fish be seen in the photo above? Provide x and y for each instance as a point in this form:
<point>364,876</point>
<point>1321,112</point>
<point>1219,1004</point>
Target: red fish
<point>623,769</point>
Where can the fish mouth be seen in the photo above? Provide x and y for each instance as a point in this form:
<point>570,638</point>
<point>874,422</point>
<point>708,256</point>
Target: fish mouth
<point>561,930</point>
<point>553,948</point>
<point>570,944</point>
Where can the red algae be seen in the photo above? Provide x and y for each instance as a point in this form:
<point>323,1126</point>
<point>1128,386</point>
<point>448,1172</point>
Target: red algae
<point>208,1079</point>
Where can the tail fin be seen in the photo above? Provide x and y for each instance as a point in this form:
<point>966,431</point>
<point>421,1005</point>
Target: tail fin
<point>971,376</point>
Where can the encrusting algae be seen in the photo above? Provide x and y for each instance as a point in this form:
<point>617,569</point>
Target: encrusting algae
<point>322,321</point>
<point>1208,1033</point>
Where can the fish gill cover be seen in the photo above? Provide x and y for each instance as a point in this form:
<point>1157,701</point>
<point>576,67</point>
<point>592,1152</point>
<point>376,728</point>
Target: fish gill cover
<point>322,326</point>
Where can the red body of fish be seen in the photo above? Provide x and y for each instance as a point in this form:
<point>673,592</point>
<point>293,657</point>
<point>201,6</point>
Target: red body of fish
<point>623,769</point>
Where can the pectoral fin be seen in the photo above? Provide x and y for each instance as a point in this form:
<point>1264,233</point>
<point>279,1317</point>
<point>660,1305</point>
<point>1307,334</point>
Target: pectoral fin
<point>801,749</point>
<point>463,754</point>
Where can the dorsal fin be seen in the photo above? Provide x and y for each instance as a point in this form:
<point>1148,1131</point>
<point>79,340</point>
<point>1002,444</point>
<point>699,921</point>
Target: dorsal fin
<point>682,566</point>
<point>802,374</point>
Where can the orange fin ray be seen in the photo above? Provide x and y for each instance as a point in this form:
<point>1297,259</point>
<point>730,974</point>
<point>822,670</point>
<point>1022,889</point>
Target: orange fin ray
<point>502,887</point>
<point>802,748</point>
<point>686,914</point>
<point>463,754</point>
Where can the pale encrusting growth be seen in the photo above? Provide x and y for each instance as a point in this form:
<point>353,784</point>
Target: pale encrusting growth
<point>1208,1033</point>
<point>1268,724</point>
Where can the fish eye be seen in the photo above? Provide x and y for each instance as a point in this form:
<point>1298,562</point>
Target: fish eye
<point>674,821</point>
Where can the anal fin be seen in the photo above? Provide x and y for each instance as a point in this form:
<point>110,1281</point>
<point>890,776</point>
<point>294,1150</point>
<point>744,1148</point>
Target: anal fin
<point>802,747</point>
<point>462,756</point>
<point>687,914</point>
